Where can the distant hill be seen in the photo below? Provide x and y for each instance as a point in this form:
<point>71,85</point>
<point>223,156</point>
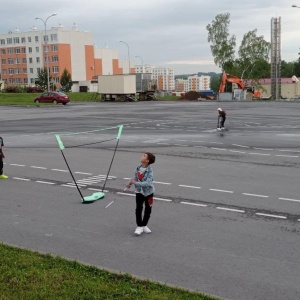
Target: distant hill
<point>185,76</point>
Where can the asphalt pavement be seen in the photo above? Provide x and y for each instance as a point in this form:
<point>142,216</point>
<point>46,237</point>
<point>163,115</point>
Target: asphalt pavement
<point>226,217</point>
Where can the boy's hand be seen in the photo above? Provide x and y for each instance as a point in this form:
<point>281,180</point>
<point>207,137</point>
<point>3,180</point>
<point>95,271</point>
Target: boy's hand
<point>132,181</point>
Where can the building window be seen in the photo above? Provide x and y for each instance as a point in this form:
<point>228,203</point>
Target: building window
<point>3,61</point>
<point>30,49</point>
<point>11,80</point>
<point>55,69</point>
<point>56,79</point>
<point>55,58</point>
<point>16,40</point>
<point>54,48</point>
<point>24,70</point>
<point>23,40</point>
<point>37,59</point>
<point>23,50</point>
<point>24,60</point>
<point>31,70</point>
<point>18,71</point>
<point>17,50</point>
<point>53,37</point>
<point>29,39</point>
<point>10,61</point>
<point>2,42</point>
<point>18,61</point>
<point>10,51</point>
<point>46,39</point>
<point>36,38</point>
<point>37,49</point>
<point>19,80</point>
<point>32,80</point>
<point>3,51</point>
<point>46,59</point>
<point>30,60</point>
<point>38,70</point>
<point>25,81</point>
<point>9,41</point>
<point>4,71</point>
<point>10,71</point>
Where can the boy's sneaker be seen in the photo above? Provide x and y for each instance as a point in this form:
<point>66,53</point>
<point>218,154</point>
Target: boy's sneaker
<point>3,176</point>
<point>138,231</point>
<point>219,128</point>
<point>146,229</point>
<point>222,128</point>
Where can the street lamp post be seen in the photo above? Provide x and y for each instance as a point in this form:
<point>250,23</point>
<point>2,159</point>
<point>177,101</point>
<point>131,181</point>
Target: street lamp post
<point>46,48</point>
<point>142,63</point>
<point>128,53</point>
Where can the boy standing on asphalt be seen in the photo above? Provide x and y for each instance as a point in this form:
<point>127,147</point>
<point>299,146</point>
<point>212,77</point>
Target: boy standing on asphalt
<point>2,176</point>
<point>144,189</point>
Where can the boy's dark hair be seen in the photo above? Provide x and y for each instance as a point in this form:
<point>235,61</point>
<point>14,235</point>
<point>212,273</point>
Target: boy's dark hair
<point>151,157</point>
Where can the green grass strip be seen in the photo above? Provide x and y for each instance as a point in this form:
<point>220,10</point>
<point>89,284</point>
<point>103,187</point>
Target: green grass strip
<point>30,275</point>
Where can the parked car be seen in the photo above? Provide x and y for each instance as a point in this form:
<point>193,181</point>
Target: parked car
<point>52,97</point>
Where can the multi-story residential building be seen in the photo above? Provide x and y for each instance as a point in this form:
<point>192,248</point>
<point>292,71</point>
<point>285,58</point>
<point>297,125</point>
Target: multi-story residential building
<point>23,54</point>
<point>165,78</point>
<point>181,85</point>
<point>143,69</point>
<point>198,83</point>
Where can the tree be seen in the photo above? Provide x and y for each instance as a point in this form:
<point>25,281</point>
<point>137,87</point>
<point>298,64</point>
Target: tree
<point>42,80</point>
<point>222,46</point>
<point>66,81</point>
<point>252,62</point>
<point>253,50</point>
<point>215,83</point>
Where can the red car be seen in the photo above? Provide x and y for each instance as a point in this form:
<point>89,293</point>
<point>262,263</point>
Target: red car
<point>52,97</point>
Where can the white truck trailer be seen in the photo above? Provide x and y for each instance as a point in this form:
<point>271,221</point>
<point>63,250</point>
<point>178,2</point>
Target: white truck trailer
<point>117,87</point>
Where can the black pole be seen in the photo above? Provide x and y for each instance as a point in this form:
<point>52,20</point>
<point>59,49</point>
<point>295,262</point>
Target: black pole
<point>110,165</point>
<point>72,175</point>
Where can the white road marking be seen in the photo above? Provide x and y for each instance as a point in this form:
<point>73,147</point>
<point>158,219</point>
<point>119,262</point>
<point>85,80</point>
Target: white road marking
<point>180,145</point>
<point>98,190</point>
<point>254,195</point>
<point>83,173</point>
<point>35,167</point>
<point>235,151</point>
<point>287,155</point>
<point>199,147</point>
<point>162,144</point>
<point>223,191</point>
<point>287,199</point>
<point>195,204</point>
<point>289,151</point>
<point>162,199</point>
<point>46,182</point>
<point>167,183</point>
<point>230,209</point>
<point>263,154</point>
<point>67,185</point>
<point>126,194</point>
<point>17,165</point>
<point>190,186</point>
<point>240,146</point>
<point>58,170</point>
<point>265,149</point>
<point>216,143</point>
<point>272,216</point>
<point>24,179</point>
<point>222,149</point>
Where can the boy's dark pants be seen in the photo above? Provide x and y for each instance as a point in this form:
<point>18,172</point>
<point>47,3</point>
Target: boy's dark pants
<point>140,200</point>
<point>1,164</point>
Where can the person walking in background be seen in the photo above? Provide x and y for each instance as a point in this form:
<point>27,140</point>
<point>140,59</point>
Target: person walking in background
<point>221,118</point>
<point>2,176</point>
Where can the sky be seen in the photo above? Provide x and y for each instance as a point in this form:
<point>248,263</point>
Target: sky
<point>168,33</point>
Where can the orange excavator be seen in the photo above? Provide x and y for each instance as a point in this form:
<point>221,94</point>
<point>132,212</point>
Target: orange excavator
<point>226,78</point>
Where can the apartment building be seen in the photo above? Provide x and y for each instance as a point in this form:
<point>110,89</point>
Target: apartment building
<point>181,85</point>
<point>198,83</point>
<point>23,54</point>
<point>143,69</point>
<point>165,78</point>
